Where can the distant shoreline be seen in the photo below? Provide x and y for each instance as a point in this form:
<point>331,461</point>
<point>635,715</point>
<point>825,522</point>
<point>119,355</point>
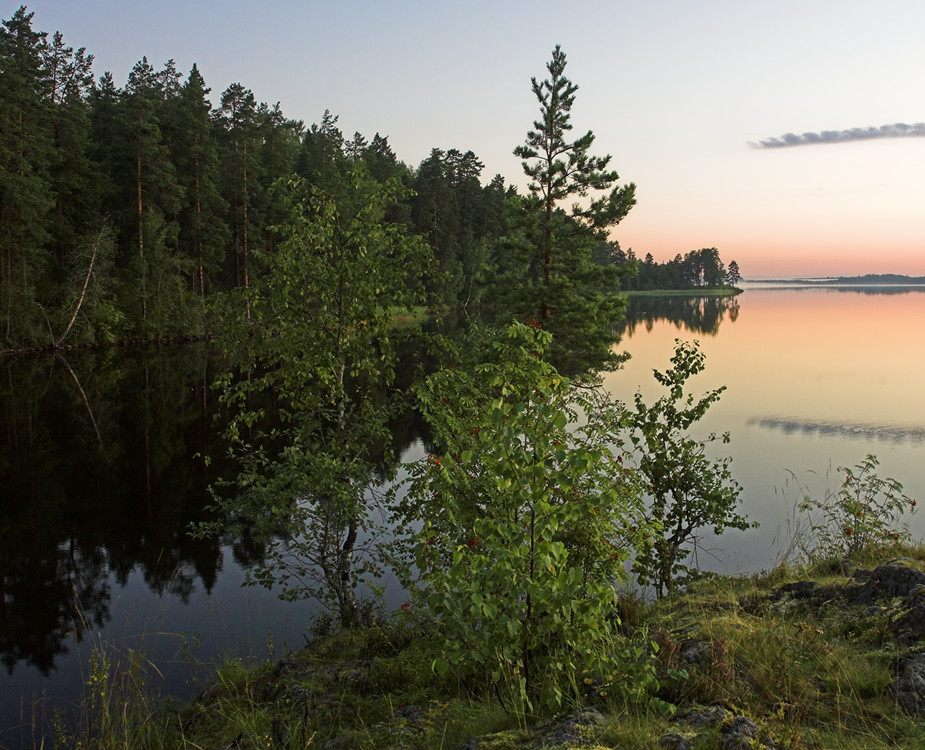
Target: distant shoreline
<point>870,279</point>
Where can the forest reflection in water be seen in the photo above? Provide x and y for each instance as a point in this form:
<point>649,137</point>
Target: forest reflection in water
<point>701,315</point>
<point>98,480</point>
<point>101,469</point>
<point>103,472</point>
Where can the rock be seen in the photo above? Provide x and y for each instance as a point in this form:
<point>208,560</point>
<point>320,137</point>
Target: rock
<point>694,652</point>
<point>886,582</point>
<point>909,688</point>
<point>798,590</point>
<point>710,716</point>
<point>280,732</point>
<point>572,729</point>
<point>675,741</point>
<point>411,714</point>
<point>743,734</point>
<point>910,627</point>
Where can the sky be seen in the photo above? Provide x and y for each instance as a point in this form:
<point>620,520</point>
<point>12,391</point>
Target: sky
<point>789,135</point>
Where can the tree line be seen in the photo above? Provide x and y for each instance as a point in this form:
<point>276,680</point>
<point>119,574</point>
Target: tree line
<point>124,209</point>
<point>697,269</point>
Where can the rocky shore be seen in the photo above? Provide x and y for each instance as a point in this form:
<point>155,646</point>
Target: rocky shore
<point>795,658</point>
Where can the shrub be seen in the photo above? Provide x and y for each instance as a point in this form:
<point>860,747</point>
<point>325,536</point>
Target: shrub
<point>859,516</point>
<point>528,517</point>
<point>689,491</point>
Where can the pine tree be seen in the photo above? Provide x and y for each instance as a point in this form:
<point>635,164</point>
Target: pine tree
<point>204,234</point>
<point>156,195</point>
<point>237,115</point>
<point>572,295</point>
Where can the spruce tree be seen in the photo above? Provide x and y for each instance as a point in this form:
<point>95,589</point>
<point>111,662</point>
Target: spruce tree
<point>26,198</point>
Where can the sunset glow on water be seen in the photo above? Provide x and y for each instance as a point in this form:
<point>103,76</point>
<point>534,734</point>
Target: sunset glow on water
<point>816,379</point>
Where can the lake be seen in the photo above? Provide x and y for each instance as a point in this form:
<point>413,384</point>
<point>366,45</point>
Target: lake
<point>99,475</point>
<point>816,378</point>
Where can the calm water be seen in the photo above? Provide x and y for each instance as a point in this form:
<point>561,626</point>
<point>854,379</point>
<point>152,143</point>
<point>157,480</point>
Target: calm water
<point>99,480</point>
<point>816,379</point>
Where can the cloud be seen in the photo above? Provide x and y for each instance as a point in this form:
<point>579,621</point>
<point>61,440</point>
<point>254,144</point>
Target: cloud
<point>896,130</point>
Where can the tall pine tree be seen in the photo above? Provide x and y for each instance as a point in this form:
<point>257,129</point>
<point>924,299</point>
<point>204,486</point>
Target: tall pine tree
<point>572,295</point>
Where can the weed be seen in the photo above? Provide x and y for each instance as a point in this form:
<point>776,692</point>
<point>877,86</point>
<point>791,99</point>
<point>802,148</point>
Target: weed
<point>861,515</point>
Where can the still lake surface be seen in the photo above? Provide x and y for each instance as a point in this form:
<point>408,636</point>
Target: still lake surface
<point>99,477</point>
<point>817,378</point>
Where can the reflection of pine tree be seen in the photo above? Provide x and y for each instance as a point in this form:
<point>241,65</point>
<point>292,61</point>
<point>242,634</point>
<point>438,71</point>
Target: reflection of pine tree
<point>78,443</point>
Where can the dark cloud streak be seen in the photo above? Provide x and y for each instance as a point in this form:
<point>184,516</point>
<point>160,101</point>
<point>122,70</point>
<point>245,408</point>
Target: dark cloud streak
<point>896,130</point>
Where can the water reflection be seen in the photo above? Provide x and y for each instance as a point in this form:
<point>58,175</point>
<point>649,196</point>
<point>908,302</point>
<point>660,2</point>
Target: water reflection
<point>816,378</point>
<point>700,315</point>
<point>102,473</point>
<point>98,480</point>
<point>855,430</point>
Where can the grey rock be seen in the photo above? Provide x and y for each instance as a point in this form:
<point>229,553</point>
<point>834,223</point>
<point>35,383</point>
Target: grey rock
<point>797,590</point>
<point>675,741</point>
<point>571,728</point>
<point>909,687</point>
<point>710,716</point>
<point>743,734</point>
<point>694,652</point>
<point>885,582</point>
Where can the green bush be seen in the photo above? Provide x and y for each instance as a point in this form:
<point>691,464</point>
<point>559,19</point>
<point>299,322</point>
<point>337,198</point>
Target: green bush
<point>860,515</point>
<point>688,490</point>
<point>528,517</point>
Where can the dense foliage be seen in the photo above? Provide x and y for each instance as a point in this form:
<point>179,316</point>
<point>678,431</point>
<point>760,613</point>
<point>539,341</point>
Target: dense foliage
<point>313,360</point>
<point>528,518</point>
<point>124,208</point>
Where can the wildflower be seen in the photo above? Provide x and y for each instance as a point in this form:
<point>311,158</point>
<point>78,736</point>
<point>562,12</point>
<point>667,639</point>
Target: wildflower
<point>848,531</point>
<point>406,606</point>
<point>473,541</point>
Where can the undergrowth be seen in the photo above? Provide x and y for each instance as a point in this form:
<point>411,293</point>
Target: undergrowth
<point>809,675</point>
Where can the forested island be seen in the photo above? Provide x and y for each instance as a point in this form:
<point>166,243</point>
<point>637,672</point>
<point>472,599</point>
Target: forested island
<point>127,208</point>
<point>869,279</point>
